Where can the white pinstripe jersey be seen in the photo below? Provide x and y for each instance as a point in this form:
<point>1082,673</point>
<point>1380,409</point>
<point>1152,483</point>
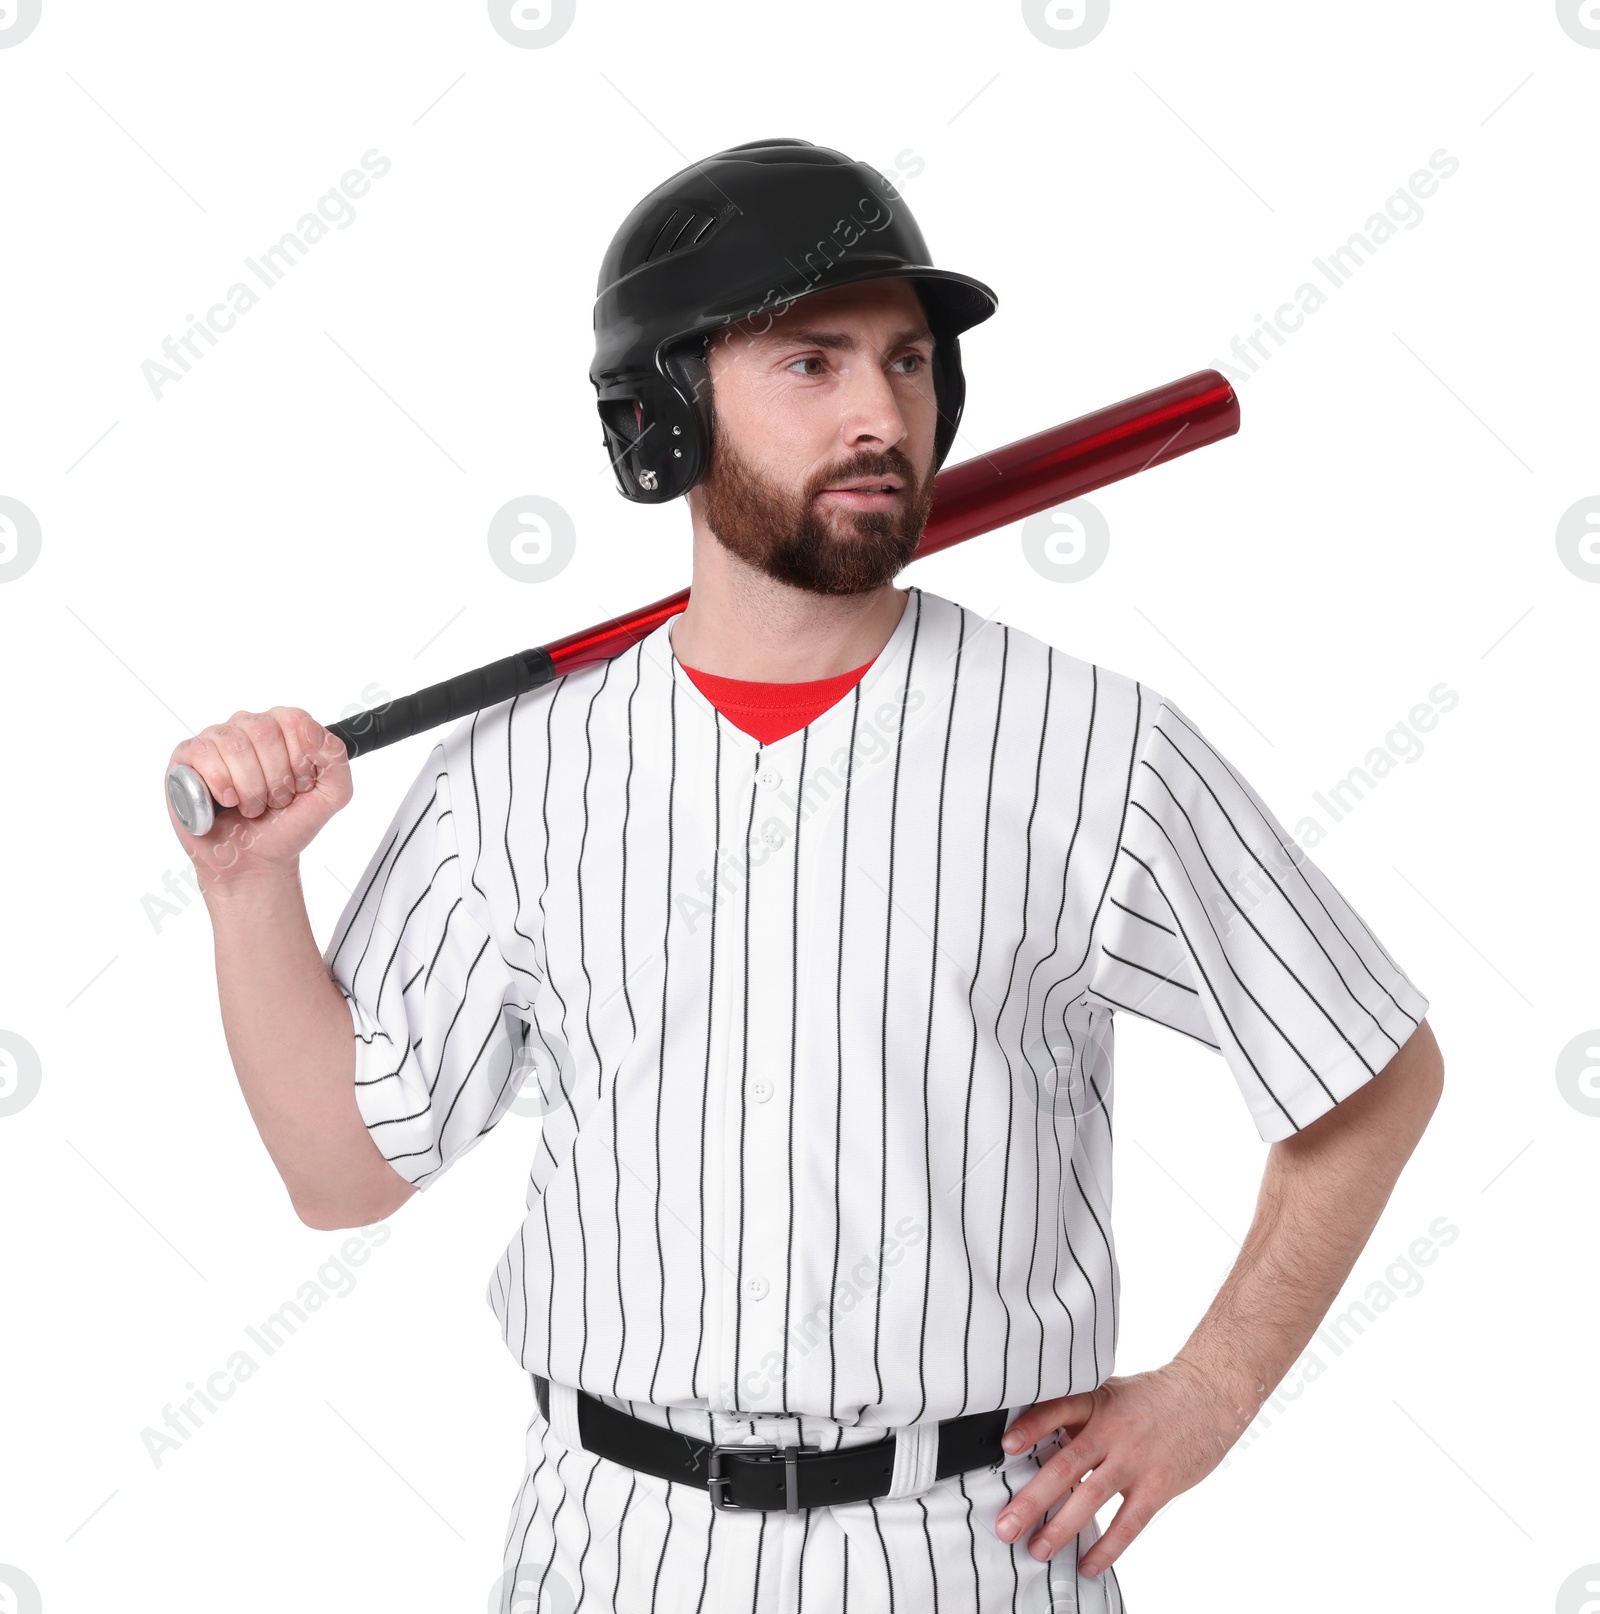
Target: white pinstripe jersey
<point>822,1029</point>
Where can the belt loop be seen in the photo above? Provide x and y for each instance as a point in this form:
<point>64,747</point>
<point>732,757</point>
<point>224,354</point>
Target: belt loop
<point>916,1458</point>
<point>564,1414</point>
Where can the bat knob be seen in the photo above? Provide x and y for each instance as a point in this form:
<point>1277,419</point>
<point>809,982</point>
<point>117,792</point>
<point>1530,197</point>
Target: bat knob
<point>190,799</point>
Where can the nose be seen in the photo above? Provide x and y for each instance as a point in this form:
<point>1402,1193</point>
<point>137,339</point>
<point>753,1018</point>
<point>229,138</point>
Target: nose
<point>870,418</point>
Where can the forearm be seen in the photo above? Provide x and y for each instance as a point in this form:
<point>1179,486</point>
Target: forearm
<point>292,1043</point>
<point>1321,1195</point>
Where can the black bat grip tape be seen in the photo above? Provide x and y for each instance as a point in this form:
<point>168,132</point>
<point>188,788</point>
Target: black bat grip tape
<point>467,692</point>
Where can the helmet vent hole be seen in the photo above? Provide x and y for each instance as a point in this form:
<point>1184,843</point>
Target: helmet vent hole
<point>683,227</point>
<point>625,418</point>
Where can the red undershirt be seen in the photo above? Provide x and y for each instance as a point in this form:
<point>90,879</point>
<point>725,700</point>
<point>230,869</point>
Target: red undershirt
<point>771,711</point>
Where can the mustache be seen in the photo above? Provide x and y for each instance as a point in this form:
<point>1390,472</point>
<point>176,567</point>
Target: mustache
<point>864,467</point>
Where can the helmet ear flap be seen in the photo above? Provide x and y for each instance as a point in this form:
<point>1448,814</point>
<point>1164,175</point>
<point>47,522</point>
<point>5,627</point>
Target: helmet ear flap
<point>950,388</point>
<point>656,431</point>
<point>686,366</point>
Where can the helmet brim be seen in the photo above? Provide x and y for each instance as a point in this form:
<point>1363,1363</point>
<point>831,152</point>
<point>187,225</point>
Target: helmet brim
<point>954,303</point>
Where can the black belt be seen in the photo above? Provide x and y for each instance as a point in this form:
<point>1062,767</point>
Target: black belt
<point>769,1476</point>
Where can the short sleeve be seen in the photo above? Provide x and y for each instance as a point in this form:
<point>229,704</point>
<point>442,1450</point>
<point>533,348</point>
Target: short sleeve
<point>431,998</point>
<point>1219,925</point>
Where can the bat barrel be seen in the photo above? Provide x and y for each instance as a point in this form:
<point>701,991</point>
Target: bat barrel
<point>1039,472</point>
<point>978,495</point>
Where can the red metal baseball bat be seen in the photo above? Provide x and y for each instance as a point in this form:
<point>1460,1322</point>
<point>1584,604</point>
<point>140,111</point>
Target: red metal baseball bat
<point>978,495</point>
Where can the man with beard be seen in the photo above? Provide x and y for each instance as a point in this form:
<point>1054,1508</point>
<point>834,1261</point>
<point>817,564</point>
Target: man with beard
<point>804,922</point>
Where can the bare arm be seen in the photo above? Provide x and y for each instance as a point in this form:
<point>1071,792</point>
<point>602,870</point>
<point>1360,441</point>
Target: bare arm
<point>293,1047</point>
<point>289,1030</point>
<point>1321,1195</point>
<point>1151,1436</point>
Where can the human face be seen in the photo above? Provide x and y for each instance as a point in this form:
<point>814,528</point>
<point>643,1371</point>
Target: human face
<point>833,403</point>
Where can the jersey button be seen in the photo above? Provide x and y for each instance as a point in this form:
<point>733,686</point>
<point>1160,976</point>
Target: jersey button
<point>756,1288</point>
<point>773,836</point>
<point>761,1090</point>
<point>769,778</point>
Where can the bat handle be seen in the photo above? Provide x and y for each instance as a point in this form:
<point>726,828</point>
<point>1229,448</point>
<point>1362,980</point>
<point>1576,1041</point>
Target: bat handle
<point>197,809</point>
<point>191,799</point>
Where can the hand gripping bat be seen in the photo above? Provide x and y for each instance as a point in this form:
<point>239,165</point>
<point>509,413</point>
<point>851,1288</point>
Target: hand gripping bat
<point>1002,486</point>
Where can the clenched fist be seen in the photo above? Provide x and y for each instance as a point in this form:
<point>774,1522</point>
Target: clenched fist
<point>286,775</point>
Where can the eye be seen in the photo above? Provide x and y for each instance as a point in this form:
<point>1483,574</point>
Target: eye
<point>810,358</point>
<point>915,359</point>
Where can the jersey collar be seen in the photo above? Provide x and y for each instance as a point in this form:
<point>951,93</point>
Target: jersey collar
<point>887,672</point>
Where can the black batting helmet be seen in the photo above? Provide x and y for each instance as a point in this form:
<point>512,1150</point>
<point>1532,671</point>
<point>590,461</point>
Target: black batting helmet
<point>737,238</point>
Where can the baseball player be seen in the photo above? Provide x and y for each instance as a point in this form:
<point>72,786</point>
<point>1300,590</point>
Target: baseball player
<point>805,923</point>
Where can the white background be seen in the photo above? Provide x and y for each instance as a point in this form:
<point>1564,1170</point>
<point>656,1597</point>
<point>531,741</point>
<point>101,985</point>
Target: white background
<point>302,518</point>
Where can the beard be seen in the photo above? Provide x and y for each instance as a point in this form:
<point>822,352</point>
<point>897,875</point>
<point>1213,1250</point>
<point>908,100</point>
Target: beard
<point>786,535</point>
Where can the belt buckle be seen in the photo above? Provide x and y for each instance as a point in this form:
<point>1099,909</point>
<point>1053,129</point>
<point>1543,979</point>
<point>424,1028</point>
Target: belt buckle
<point>717,1482</point>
